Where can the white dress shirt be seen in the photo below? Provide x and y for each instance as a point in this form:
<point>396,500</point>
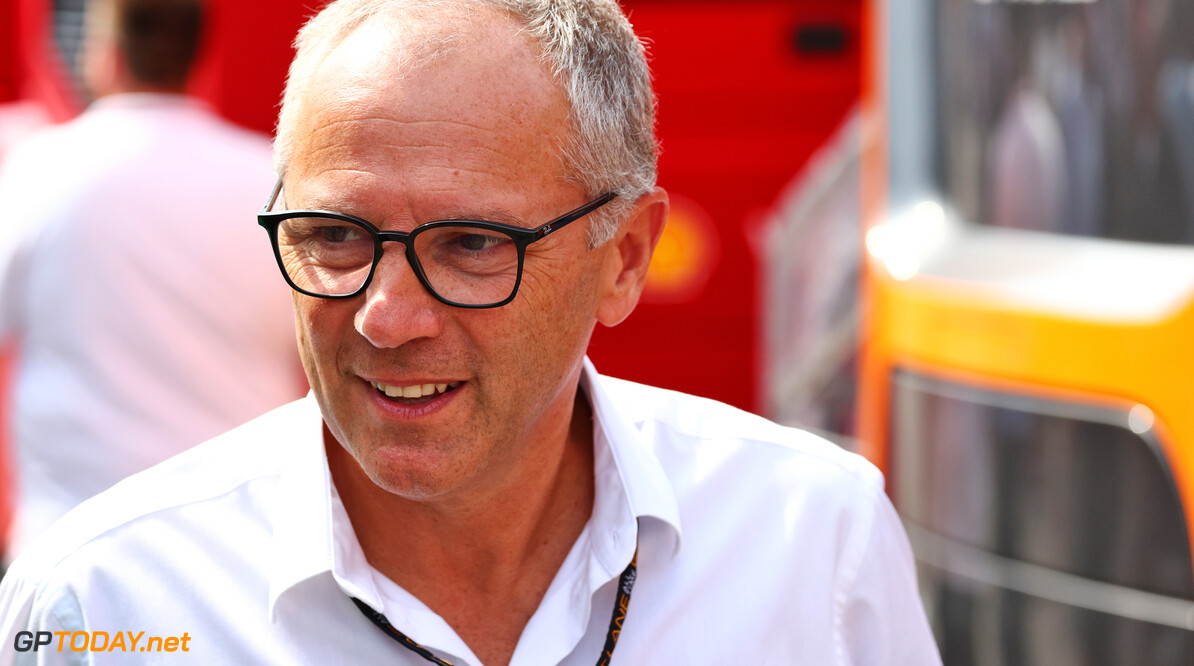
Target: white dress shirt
<point>148,308</point>
<point>756,543</point>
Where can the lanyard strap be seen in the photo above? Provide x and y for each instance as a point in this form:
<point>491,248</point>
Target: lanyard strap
<point>391,631</point>
<point>621,604</point>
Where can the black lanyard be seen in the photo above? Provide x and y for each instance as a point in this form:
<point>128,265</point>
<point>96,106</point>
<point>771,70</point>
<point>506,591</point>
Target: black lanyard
<point>621,604</point>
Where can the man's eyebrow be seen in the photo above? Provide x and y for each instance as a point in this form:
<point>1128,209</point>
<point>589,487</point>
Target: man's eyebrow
<point>477,214</point>
<point>485,215</point>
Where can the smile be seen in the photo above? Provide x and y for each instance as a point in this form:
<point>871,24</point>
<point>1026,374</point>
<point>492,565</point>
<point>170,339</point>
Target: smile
<point>413,391</point>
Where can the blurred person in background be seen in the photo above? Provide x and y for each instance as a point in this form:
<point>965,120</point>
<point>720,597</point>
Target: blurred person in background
<point>133,279</point>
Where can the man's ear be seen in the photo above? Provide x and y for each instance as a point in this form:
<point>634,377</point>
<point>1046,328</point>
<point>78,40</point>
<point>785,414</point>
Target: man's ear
<point>630,256</point>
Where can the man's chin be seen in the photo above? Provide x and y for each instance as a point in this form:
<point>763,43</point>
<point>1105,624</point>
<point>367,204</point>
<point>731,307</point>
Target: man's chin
<point>416,473</point>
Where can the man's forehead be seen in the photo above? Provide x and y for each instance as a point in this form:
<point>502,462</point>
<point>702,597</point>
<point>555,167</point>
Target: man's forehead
<point>480,70</point>
<point>384,52</point>
<point>483,114</point>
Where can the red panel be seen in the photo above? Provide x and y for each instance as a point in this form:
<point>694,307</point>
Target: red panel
<point>8,51</point>
<point>741,110</point>
<point>248,52</point>
<point>39,70</point>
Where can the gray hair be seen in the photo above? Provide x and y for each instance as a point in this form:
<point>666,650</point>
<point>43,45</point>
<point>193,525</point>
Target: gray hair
<point>588,45</point>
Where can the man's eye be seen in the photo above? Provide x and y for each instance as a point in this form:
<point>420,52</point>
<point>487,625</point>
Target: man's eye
<point>340,234</point>
<point>478,242</point>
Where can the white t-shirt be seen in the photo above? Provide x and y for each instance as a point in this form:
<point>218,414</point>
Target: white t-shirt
<point>148,309</point>
<point>756,544</point>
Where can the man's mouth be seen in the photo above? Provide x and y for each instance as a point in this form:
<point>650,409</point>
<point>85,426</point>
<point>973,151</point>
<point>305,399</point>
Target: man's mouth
<point>414,391</point>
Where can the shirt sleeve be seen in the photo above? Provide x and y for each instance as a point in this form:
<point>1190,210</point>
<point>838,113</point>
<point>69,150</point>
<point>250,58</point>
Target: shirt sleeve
<point>24,614</point>
<point>883,620</point>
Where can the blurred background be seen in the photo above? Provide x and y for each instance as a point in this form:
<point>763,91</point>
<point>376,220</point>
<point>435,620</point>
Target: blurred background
<point>952,235</point>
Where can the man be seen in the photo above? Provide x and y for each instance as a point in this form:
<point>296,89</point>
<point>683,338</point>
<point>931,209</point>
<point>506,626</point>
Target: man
<point>146,320</point>
<point>466,190</point>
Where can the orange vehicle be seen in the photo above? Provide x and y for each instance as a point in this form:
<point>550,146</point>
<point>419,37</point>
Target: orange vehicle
<point>1027,379</point>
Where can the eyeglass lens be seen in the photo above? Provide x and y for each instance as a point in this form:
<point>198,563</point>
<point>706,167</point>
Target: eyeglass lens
<point>462,264</point>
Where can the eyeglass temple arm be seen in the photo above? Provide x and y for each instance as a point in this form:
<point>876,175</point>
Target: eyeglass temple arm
<point>273,196</point>
<point>568,218</point>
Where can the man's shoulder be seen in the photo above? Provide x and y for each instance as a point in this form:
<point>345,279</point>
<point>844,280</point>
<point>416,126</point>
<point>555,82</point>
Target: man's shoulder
<point>684,427</point>
<point>44,146</point>
<point>233,134</point>
<point>187,496</point>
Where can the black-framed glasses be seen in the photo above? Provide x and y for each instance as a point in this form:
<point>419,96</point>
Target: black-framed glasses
<point>463,263</point>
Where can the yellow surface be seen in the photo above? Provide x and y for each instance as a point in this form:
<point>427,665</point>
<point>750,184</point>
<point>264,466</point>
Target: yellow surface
<point>947,329</point>
<point>685,257</point>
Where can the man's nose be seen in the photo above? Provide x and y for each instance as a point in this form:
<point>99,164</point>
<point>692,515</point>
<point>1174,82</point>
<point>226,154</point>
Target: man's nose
<point>397,307</point>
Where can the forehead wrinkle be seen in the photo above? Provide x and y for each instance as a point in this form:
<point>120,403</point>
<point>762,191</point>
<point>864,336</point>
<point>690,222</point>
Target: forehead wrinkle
<point>339,201</point>
<point>331,199</point>
<point>343,139</point>
<point>453,166</point>
<point>362,119</point>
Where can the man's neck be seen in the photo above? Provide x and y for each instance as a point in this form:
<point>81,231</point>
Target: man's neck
<point>482,562</point>
<point>131,87</point>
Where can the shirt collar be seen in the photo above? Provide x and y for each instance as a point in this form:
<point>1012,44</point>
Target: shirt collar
<point>629,476</point>
<point>313,535</point>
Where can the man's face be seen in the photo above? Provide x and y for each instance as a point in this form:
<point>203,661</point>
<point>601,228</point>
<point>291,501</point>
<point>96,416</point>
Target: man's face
<point>472,135</point>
